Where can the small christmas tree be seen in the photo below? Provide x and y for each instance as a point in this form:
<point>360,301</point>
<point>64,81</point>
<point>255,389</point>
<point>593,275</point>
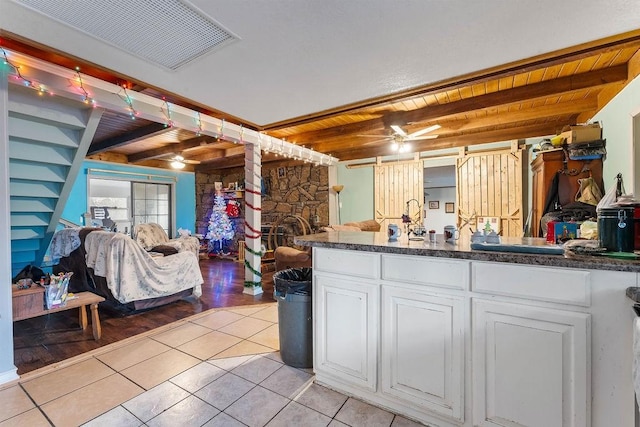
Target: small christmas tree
<point>220,227</point>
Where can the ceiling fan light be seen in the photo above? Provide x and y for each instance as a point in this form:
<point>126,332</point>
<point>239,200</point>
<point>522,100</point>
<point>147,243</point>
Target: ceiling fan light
<point>394,146</point>
<point>177,164</point>
<point>405,148</point>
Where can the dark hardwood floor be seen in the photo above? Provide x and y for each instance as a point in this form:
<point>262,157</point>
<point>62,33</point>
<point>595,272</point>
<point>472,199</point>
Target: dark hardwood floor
<point>54,337</point>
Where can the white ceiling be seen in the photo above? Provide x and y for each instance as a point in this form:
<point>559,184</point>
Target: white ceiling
<point>298,57</point>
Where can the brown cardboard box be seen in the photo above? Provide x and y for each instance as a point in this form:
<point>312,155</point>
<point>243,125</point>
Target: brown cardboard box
<point>582,133</point>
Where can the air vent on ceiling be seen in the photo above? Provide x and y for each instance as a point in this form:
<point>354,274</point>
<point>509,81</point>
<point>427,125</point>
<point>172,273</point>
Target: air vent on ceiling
<point>167,32</point>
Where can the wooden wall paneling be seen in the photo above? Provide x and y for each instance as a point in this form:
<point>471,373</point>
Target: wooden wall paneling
<point>394,185</point>
<point>491,184</point>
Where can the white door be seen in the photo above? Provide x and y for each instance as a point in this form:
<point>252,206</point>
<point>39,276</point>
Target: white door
<point>346,333</point>
<point>423,349</point>
<point>531,366</point>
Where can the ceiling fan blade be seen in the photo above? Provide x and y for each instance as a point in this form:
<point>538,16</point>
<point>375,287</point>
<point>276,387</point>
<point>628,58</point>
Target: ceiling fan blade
<point>191,162</point>
<point>423,131</point>
<point>398,130</point>
<point>419,138</point>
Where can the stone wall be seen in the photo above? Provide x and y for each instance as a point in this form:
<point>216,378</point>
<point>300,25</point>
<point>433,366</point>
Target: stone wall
<point>301,190</point>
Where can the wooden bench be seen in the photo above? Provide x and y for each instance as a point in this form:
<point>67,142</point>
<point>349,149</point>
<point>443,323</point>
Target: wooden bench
<point>28,303</point>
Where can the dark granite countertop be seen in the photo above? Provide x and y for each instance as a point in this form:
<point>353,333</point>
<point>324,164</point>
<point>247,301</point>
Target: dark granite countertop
<point>377,242</point>
<point>633,292</point>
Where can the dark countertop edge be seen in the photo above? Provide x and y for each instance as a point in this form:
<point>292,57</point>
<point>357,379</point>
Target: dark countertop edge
<point>591,263</point>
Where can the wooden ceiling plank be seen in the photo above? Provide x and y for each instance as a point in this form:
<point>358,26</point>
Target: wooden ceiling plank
<point>520,79</point>
<point>176,148</point>
<point>128,138</point>
<point>505,83</point>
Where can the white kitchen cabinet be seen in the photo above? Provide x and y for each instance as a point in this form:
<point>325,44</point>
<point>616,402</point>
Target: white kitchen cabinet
<point>346,330</point>
<point>531,366</point>
<point>422,358</point>
<point>459,343</point>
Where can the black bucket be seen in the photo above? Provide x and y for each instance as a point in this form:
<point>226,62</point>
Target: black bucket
<point>616,229</point>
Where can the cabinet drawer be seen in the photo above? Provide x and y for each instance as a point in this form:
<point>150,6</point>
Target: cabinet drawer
<point>439,272</point>
<point>353,263</point>
<point>537,283</point>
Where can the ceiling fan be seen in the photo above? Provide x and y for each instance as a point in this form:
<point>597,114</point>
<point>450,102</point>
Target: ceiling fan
<point>400,138</point>
<point>178,161</point>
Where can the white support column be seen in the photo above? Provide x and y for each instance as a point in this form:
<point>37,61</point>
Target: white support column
<point>253,219</point>
<point>8,371</point>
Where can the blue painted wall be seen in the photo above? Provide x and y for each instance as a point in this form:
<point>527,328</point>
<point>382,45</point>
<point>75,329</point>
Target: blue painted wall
<point>185,193</point>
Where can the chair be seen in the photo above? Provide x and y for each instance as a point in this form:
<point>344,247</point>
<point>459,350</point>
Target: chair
<point>153,238</point>
<point>287,257</point>
<point>290,257</point>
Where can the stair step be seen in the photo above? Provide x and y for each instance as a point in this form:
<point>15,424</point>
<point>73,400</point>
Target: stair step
<point>30,219</point>
<point>31,131</point>
<point>25,245</point>
<point>34,188</point>
<point>37,171</point>
<point>23,257</point>
<point>27,233</point>
<point>37,152</point>
<point>26,204</point>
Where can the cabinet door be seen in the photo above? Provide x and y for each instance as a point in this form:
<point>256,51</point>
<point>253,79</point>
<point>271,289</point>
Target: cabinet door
<point>423,349</point>
<point>531,366</point>
<point>346,329</point>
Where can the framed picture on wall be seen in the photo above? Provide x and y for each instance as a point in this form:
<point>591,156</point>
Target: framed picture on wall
<point>449,207</point>
<point>434,204</point>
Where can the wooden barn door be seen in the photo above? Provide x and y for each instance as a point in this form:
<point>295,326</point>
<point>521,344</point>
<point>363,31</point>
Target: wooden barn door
<point>394,185</point>
<point>490,184</point>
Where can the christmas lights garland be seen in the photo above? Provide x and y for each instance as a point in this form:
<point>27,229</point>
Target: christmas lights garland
<point>28,83</point>
<point>198,121</point>
<point>127,99</point>
<point>87,99</point>
<point>167,113</point>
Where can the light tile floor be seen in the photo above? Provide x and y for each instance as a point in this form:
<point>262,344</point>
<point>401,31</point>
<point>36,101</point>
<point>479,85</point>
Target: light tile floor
<point>219,368</point>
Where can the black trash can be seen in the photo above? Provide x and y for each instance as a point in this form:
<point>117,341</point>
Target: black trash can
<point>292,290</point>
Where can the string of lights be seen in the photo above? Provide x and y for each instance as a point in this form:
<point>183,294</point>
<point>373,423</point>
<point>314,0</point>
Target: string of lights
<point>18,75</point>
<point>166,110</point>
<point>86,98</point>
<point>127,100</point>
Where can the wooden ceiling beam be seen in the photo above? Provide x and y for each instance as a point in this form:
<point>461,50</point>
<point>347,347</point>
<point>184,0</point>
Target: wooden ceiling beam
<point>219,154</point>
<point>527,114</point>
<point>458,126</point>
<point>555,87</point>
<point>507,134</point>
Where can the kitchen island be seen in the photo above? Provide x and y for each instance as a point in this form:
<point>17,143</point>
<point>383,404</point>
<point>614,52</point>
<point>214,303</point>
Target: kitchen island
<point>451,336</point>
